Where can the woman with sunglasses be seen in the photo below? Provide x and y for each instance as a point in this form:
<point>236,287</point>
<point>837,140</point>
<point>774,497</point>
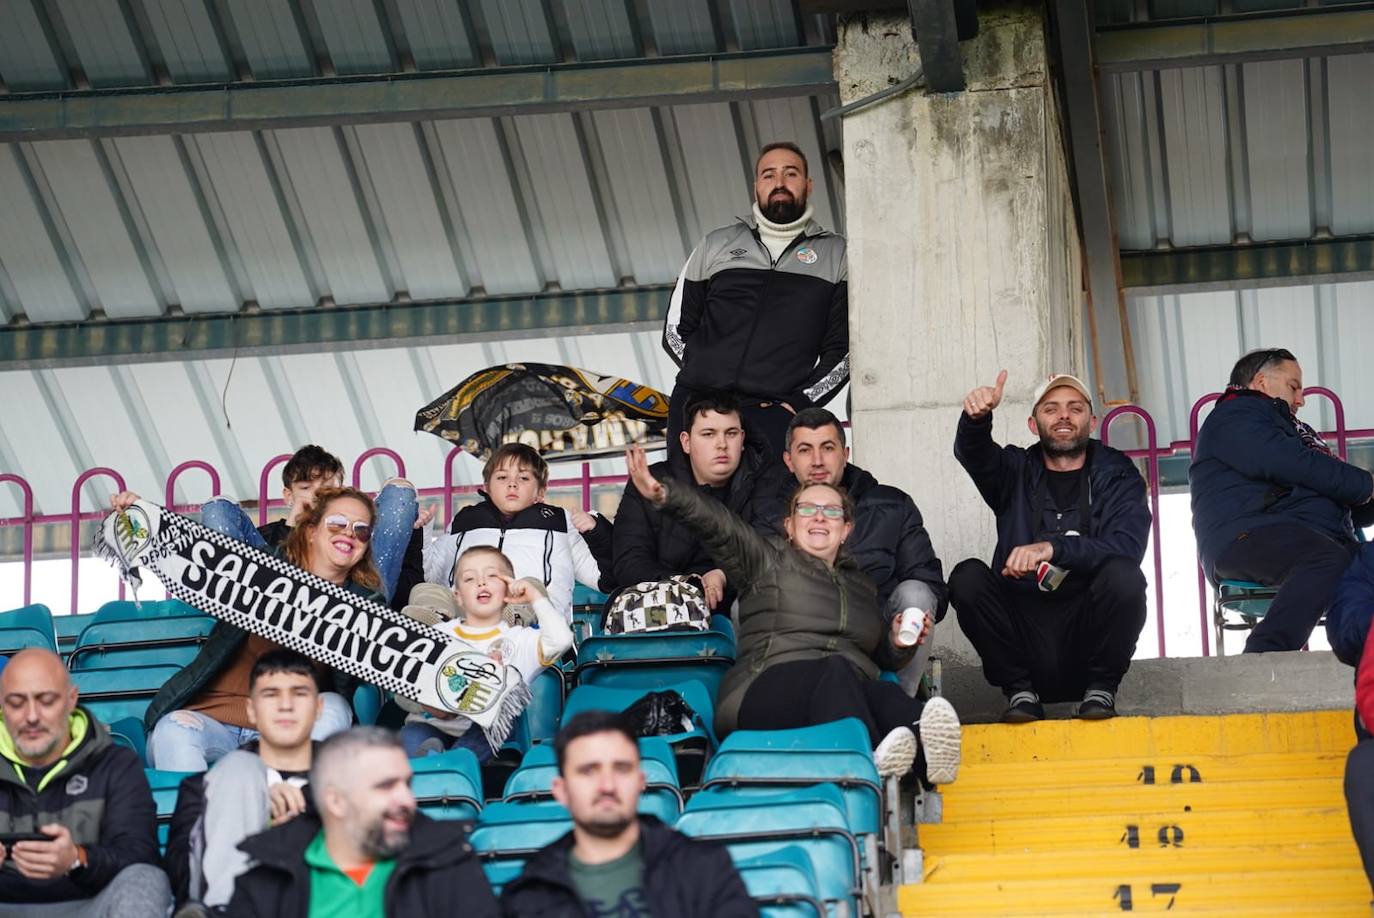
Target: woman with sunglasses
<point>811,640</point>
<point>201,713</point>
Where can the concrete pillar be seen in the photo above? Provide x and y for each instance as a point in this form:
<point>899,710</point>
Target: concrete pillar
<point>963,259</point>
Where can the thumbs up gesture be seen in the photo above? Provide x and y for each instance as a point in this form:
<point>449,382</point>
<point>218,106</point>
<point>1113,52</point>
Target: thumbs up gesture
<point>982,400</point>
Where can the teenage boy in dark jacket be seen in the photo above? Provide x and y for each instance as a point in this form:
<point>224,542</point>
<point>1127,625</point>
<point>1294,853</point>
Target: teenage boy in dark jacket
<point>1058,612</point>
<point>368,853</point>
<point>712,455</point>
<point>62,777</point>
<point>1270,501</point>
<point>614,861</point>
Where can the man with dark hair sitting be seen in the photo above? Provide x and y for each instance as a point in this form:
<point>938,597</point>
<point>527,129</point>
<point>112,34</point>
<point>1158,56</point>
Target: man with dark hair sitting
<point>364,852</point>
<point>263,783</point>
<point>889,541</point>
<point>711,455</point>
<point>615,861</point>
<point>1271,503</point>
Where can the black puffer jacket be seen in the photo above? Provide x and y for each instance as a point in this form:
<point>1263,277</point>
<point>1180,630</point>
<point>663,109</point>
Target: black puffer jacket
<point>1117,522</point>
<point>889,540</point>
<point>99,792</point>
<point>649,545</point>
<point>438,874</point>
<point>683,878</point>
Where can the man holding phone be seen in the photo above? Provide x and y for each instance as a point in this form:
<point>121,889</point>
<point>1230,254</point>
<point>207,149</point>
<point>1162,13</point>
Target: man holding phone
<point>78,828</point>
<point>1057,614</point>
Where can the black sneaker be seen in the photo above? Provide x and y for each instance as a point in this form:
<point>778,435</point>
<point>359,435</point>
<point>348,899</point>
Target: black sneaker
<point>1097,704</point>
<point>1023,708</point>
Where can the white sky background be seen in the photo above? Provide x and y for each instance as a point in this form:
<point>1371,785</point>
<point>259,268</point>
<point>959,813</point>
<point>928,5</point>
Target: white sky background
<point>1182,625</point>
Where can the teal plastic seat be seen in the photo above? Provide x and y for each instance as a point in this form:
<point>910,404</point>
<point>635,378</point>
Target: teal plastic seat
<point>812,819</point>
<point>29,626</point>
<point>507,834</point>
<point>662,796</point>
<point>122,634</point>
<point>448,785</point>
<point>69,628</point>
<point>836,753</point>
<point>114,694</point>
<point>1243,598</point>
<point>164,785</point>
<point>691,747</point>
<point>781,883</point>
<point>646,659</point>
<point>128,732</point>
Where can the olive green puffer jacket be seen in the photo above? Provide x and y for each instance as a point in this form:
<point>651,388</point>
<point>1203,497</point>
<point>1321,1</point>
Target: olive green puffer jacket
<point>792,606</point>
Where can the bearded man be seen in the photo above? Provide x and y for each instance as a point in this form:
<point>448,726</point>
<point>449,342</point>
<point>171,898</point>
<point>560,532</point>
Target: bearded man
<point>761,309</point>
<point>1057,614</point>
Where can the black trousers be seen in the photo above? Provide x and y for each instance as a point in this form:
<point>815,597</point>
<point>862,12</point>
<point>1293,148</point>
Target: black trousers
<point>1359,800</point>
<point>1306,566</point>
<point>1057,644</point>
<point>810,692</point>
<point>764,423</point>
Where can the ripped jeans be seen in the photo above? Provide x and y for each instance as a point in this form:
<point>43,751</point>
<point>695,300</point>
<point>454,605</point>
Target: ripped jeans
<point>397,510</point>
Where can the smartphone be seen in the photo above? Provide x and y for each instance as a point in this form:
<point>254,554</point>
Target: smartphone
<point>9,838</point>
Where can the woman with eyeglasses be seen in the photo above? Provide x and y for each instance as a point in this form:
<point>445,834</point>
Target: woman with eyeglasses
<point>812,642</point>
<point>201,714</point>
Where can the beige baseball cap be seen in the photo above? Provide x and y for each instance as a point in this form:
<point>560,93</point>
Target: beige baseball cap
<point>432,604</point>
<point>1054,382</point>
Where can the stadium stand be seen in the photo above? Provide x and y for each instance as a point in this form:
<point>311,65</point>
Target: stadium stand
<point>30,626</point>
<point>662,796</point>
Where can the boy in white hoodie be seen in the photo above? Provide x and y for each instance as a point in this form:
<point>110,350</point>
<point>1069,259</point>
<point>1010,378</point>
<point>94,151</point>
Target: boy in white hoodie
<point>484,583</point>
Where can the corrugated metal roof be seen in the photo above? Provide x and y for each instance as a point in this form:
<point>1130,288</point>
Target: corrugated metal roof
<point>1267,150</point>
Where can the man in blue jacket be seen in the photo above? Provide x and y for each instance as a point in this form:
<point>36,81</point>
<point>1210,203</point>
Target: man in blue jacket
<point>1059,610</point>
<point>1271,503</point>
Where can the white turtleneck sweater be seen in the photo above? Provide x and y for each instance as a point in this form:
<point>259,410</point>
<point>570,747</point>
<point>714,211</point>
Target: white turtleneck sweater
<point>778,236</point>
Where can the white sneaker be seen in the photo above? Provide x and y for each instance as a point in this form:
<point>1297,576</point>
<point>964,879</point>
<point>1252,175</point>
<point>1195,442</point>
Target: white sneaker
<point>942,740</point>
<point>896,752</point>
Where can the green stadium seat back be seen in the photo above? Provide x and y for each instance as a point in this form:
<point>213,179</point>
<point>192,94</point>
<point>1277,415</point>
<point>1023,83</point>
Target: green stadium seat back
<point>167,639</point>
<point>114,694</point>
<point>164,785</point>
<point>662,796</point>
<point>448,785</point>
<point>28,626</point>
<point>781,883</point>
<point>69,628</point>
<point>507,834</point>
<point>642,660</point>
<point>128,732</point>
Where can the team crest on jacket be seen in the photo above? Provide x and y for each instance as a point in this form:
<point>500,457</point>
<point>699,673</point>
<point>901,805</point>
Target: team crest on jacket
<point>77,785</point>
<point>807,255</point>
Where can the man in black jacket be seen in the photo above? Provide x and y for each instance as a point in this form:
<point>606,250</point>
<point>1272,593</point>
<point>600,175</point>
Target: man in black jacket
<point>761,308</point>
<point>711,454</point>
<point>62,779</point>
<point>368,853</point>
<point>889,541</point>
<point>615,862</point>
<point>262,783</point>
<point>1060,609</point>
<point>1271,503</point>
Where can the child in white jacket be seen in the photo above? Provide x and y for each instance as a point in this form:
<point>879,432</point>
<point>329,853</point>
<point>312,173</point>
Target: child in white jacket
<point>544,543</point>
<point>484,585</point>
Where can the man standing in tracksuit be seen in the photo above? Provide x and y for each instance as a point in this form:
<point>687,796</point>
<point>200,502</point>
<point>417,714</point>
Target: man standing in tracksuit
<point>761,309</point>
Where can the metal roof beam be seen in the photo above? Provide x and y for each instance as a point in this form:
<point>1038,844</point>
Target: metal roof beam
<point>339,328</point>
<point>1341,259</point>
<point>1311,32</point>
<point>416,96</point>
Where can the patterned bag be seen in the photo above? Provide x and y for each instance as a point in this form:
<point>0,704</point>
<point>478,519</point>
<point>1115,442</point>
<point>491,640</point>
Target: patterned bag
<point>675,604</point>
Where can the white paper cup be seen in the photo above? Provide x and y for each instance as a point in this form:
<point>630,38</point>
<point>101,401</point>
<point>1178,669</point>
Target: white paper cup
<point>909,632</point>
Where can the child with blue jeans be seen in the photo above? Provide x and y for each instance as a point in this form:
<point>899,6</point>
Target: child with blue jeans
<point>484,583</point>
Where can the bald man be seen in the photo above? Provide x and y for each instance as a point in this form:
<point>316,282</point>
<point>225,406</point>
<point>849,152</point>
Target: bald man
<point>78,828</point>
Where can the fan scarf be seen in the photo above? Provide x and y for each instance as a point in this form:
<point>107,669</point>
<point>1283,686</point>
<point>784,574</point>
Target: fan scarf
<point>274,599</point>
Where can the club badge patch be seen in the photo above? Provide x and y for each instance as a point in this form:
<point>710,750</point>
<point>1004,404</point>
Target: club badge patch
<point>807,255</point>
<point>471,682</point>
<point>132,534</point>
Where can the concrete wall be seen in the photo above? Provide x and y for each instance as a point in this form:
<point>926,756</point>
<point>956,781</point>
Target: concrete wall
<point>963,259</point>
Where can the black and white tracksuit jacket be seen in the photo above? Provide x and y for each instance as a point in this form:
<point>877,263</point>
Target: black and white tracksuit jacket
<point>775,331</point>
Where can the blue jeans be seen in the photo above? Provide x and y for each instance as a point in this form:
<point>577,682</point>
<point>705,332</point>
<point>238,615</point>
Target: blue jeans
<point>415,734</point>
<point>191,741</point>
<point>397,510</point>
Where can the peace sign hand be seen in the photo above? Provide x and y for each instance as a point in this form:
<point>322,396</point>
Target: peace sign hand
<point>982,400</point>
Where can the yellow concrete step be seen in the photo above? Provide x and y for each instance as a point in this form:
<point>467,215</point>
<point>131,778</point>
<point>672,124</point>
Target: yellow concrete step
<point>1300,825</point>
<point>1175,862</point>
<point>1126,770</point>
<point>962,804</point>
<point>1147,738</point>
<point>1282,892</point>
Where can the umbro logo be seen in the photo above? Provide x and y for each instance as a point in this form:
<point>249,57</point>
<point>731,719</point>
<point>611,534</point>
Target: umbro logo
<point>738,253</point>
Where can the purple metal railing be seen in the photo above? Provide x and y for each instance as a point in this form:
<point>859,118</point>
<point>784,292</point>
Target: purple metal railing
<point>1152,453</point>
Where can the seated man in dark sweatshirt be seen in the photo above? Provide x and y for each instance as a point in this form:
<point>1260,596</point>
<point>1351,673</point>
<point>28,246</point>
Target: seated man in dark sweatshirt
<point>1271,503</point>
<point>711,454</point>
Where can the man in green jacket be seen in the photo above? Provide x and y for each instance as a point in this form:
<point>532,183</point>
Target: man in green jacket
<point>78,828</point>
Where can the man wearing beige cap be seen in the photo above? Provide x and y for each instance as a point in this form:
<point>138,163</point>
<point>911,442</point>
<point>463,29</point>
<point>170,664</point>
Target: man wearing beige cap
<point>1057,614</point>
